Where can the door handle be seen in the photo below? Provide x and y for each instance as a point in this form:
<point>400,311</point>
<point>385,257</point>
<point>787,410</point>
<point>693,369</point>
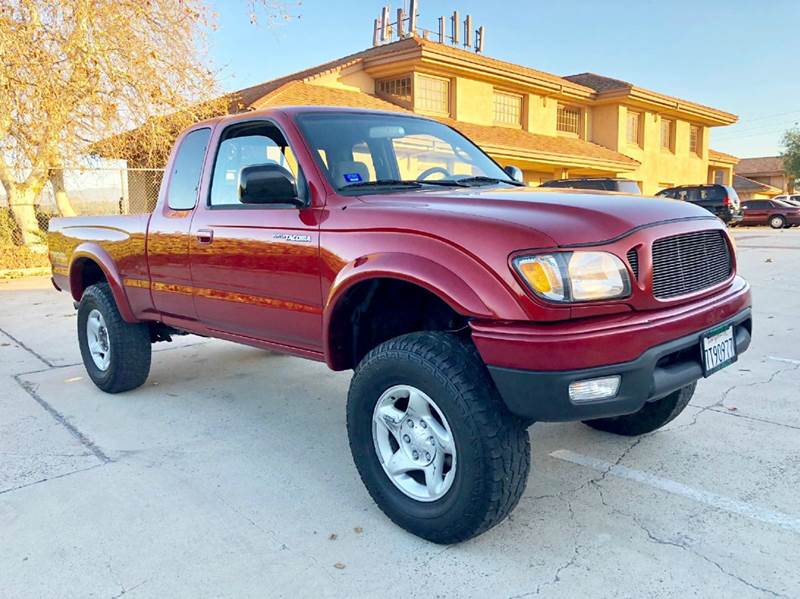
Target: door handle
<point>205,235</point>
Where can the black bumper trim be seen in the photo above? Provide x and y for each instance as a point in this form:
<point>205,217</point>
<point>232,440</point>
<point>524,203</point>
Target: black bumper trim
<point>544,395</point>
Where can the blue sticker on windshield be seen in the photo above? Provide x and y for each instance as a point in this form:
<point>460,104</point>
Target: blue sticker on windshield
<point>353,177</point>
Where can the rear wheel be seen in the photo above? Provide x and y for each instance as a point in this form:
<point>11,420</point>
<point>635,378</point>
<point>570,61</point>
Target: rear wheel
<point>433,442</point>
<point>652,416</point>
<point>777,222</point>
<point>116,354</point>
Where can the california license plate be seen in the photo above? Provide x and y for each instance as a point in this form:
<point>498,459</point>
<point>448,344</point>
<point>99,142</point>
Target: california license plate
<point>719,349</point>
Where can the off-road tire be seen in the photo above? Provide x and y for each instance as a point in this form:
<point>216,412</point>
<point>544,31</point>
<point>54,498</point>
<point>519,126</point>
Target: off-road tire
<point>651,417</point>
<point>130,345</point>
<point>777,222</point>
<point>492,445</point>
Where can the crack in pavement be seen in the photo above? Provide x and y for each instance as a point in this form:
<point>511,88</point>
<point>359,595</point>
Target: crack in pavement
<point>31,351</point>
<point>44,480</point>
<point>680,544</point>
<point>30,389</point>
<point>720,403</point>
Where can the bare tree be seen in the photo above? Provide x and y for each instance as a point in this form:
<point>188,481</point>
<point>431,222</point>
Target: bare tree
<point>73,72</point>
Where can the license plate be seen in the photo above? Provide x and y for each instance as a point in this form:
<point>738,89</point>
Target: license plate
<point>719,349</point>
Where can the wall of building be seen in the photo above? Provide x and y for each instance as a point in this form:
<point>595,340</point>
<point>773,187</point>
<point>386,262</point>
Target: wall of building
<point>605,124</point>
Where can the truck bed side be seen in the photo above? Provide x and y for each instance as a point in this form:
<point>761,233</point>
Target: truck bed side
<point>86,249</point>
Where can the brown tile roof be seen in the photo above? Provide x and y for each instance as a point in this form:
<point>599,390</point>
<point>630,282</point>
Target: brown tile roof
<point>297,93</point>
<point>721,156</point>
<point>250,95</point>
<point>748,185</point>
<point>765,164</point>
<point>517,139</point>
<point>598,83</point>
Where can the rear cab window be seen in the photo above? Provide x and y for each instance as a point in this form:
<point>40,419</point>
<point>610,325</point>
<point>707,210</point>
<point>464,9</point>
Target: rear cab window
<point>184,179</point>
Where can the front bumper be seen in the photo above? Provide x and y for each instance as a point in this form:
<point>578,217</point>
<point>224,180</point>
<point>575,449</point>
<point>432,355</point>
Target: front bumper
<point>660,370</point>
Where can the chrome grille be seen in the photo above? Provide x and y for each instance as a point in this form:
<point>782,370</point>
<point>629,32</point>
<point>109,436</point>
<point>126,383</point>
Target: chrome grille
<point>633,260</point>
<point>690,262</point>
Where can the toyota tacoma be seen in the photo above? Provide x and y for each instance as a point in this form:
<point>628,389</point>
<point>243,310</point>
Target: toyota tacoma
<point>468,305</point>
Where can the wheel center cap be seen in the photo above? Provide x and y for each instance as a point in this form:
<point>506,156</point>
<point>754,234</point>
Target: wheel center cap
<point>418,443</point>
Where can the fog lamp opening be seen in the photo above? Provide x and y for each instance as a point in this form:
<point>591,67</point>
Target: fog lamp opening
<point>594,389</point>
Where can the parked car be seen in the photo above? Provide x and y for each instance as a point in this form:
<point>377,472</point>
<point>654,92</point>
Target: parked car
<point>775,213</point>
<point>793,199</point>
<point>721,200</point>
<point>597,184</point>
<point>468,305</point>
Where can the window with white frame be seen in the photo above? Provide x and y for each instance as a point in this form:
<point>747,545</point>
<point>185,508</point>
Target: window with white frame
<point>507,108</point>
<point>568,119</point>
<point>432,94</point>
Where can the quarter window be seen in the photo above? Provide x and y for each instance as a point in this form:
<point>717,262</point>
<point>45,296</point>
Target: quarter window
<point>507,108</point>
<point>186,170</point>
<point>634,128</point>
<point>432,94</point>
<point>568,119</point>
<point>667,134</point>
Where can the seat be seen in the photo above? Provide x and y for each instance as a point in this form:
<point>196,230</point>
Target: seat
<point>349,171</point>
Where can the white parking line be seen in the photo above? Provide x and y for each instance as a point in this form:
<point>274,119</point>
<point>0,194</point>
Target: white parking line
<point>785,360</point>
<point>720,502</point>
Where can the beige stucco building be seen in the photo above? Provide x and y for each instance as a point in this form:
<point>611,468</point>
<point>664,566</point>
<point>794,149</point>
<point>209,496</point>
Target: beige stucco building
<point>549,126</point>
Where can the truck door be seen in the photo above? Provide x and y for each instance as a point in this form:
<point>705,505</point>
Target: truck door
<point>168,231</point>
<point>255,267</point>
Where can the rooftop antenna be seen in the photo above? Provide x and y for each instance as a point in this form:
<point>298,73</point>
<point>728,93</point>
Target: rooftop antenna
<point>406,25</point>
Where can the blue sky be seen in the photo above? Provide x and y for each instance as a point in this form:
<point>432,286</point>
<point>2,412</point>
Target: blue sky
<point>736,55</point>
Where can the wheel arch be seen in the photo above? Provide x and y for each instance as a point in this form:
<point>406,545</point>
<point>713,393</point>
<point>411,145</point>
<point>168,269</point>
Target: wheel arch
<point>440,289</point>
<point>91,264</point>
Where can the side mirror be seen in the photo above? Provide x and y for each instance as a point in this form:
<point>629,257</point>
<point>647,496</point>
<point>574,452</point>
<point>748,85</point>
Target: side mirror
<point>514,172</point>
<point>267,184</point>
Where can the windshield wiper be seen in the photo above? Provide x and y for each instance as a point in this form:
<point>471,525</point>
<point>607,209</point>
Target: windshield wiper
<point>382,183</point>
<point>488,181</point>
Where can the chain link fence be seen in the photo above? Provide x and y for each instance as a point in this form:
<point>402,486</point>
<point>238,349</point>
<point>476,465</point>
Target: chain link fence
<point>85,192</point>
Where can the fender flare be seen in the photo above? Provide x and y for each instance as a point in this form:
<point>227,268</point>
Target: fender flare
<point>421,271</point>
<point>93,252</point>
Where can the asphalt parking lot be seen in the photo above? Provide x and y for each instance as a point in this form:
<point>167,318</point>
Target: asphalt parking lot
<point>228,475</point>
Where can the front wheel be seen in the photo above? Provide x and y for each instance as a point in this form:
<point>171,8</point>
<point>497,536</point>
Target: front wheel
<point>116,354</point>
<point>652,416</point>
<point>432,440</point>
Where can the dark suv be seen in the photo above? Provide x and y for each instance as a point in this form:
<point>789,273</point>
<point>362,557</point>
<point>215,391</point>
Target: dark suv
<point>597,184</point>
<point>721,200</point>
<point>775,213</point>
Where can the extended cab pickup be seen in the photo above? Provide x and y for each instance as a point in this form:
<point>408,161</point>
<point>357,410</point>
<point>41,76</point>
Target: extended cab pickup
<point>468,305</point>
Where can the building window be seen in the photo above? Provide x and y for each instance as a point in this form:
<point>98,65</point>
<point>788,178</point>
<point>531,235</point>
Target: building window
<point>667,134</point>
<point>568,119</point>
<point>432,94</point>
<point>507,108</point>
<point>695,141</point>
<point>634,128</point>
<point>397,89</point>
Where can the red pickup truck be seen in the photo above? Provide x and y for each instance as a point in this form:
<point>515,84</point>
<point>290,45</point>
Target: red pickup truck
<point>468,305</point>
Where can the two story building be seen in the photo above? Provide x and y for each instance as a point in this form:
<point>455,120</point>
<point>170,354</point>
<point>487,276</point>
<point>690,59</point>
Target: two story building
<point>549,126</point>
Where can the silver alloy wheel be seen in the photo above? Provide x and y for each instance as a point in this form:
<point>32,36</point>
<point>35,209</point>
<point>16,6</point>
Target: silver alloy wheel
<point>97,339</point>
<point>414,443</point>
<point>776,222</point>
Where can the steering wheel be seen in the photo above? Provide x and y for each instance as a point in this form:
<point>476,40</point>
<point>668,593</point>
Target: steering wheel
<point>432,171</point>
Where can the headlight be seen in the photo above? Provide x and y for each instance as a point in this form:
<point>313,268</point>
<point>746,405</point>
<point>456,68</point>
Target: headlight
<point>574,276</point>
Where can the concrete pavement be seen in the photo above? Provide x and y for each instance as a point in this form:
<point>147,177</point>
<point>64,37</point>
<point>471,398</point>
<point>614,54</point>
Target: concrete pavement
<point>228,475</point>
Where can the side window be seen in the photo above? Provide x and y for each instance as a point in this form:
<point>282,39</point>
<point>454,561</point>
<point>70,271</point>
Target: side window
<point>247,145</point>
<point>186,169</point>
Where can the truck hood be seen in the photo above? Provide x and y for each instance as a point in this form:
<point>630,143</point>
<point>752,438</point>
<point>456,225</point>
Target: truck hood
<point>567,217</point>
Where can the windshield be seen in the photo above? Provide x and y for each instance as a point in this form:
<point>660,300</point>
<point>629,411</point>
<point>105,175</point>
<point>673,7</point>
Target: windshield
<point>364,151</point>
